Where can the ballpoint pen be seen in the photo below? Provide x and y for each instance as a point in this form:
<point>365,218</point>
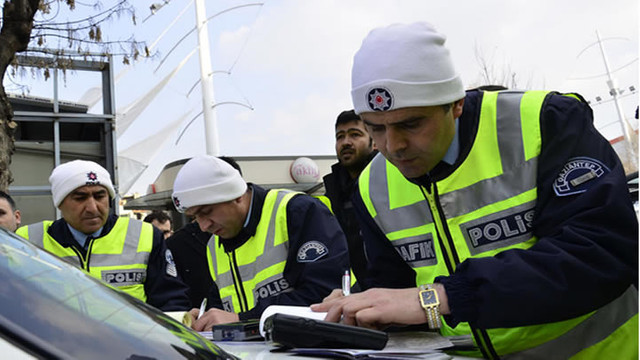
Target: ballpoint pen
<point>346,283</point>
<point>203,306</point>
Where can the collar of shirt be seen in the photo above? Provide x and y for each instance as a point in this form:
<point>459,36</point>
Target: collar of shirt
<point>81,237</point>
<point>246,221</point>
<point>454,149</point>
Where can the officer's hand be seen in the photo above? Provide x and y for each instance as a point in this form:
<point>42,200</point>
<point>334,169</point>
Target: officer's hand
<point>374,308</point>
<point>210,318</point>
<point>335,294</point>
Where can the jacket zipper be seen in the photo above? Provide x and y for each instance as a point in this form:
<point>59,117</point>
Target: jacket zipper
<point>452,260</point>
<point>89,249</point>
<point>83,262</point>
<point>237,282</point>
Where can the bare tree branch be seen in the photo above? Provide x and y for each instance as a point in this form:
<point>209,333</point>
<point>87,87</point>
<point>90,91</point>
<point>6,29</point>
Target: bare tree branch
<point>22,33</point>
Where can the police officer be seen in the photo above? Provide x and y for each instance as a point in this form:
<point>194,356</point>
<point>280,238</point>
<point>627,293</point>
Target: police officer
<point>506,212</point>
<point>123,252</point>
<point>269,246</point>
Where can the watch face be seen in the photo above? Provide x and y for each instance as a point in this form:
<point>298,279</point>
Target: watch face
<point>428,297</point>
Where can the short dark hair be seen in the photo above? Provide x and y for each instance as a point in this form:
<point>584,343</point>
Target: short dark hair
<point>158,215</point>
<point>4,195</point>
<point>231,161</point>
<point>346,117</point>
<point>491,88</point>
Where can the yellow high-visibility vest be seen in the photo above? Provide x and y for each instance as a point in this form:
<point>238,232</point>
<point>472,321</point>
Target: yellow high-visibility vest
<point>119,258</point>
<point>485,207</point>
<point>260,260</point>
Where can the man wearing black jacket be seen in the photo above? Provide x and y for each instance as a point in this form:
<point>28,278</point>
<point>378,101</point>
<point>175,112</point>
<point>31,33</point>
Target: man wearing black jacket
<point>354,149</point>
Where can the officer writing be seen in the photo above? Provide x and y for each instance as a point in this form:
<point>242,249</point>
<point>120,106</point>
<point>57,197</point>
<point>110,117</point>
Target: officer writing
<point>268,246</point>
<point>503,215</point>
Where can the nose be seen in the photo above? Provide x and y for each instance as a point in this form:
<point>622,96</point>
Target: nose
<point>91,205</point>
<point>395,141</point>
<point>348,140</point>
<point>203,223</point>
<point>344,143</point>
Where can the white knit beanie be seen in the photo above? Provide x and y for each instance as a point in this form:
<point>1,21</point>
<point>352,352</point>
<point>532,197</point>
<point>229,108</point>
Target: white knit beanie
<point>73,174</point>
<point>402,66</point>
<point>206,180</point>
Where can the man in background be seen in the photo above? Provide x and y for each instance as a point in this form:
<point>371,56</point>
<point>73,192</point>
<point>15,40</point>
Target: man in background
<point>161,220</point>
<point>9,215</point>
<point>354,149</point>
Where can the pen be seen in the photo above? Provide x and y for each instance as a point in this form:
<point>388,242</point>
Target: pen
<point>203,306</point>
<point>346,283</point>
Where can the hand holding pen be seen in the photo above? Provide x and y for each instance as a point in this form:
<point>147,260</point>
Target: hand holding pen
<point>203,307</point>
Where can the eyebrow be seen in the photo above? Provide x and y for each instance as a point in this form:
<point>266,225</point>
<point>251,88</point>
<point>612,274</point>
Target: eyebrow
<point>409,119</point>
<point>86,193</point>
<point>194,212</point>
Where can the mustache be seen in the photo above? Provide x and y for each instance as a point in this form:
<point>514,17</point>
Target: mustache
<point>345,148</point>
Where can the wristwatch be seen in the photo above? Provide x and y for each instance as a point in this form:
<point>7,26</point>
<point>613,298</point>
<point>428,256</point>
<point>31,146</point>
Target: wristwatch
<point>431,304</point>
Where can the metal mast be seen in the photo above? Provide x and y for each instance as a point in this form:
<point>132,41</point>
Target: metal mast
<point>206,81</point>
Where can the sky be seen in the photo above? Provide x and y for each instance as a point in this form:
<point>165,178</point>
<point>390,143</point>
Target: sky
<point>282,67</point>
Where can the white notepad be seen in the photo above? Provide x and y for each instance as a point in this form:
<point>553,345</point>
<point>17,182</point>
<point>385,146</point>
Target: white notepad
<point>302,311</point>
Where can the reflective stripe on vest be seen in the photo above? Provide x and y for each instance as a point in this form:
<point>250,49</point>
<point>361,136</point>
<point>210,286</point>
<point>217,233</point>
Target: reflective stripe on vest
<point>260,260</point>
<point>596,327</point>
<point>484,207</point>
<point>119,258</point>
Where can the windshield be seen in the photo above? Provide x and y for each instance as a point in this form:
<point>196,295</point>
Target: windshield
<point>53,309</point>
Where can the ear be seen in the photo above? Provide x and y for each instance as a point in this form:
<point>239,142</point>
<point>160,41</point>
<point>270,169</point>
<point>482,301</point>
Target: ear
<point>457,108</point>
<point>18,217</point>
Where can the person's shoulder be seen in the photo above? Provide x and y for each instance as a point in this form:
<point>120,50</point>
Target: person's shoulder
<point>301,203</point>
<point>330,176</point>
<point>570,108</point>
<point>555,98</point>
<point>187,231</point>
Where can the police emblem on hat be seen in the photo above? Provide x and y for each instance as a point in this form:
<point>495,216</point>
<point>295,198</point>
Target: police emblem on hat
<point>92,178</point>
<point>380,99</point>
<point>577,176</point>
<point>311,251</point>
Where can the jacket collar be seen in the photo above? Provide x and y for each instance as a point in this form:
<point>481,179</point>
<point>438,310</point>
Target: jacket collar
<point>258,195</point>
<point>467,131</point>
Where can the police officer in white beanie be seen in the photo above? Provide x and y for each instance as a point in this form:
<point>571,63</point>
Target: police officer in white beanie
<point>506,210</point>
<point>123,252</point>
<point>268,246</point>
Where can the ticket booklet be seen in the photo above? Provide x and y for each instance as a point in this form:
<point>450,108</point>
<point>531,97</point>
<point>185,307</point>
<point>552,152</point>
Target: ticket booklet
<point>300,332</point>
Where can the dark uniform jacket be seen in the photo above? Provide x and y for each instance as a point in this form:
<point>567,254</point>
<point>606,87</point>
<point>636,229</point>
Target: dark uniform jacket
<point>339,188</point>
<point>587,249</point>
<point>189,248</point>
<point>164,291</point>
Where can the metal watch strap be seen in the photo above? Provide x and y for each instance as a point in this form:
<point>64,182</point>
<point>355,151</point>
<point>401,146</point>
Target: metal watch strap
<point>432,312</point>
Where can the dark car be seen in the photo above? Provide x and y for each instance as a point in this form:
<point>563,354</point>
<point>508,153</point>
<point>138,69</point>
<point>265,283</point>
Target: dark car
<point>50,309</point>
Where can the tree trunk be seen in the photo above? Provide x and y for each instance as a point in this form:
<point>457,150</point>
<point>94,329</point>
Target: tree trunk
<point>17,23</point>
